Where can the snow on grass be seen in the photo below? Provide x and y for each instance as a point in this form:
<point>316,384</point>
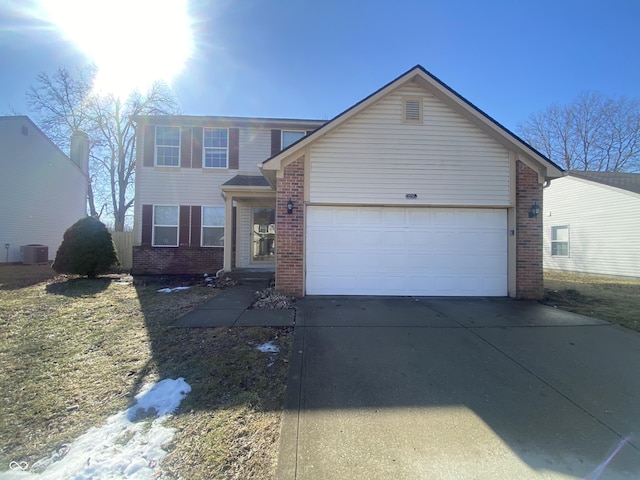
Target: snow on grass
<point>268,347</point>
<point>122,448</point>
<point>174,289</point>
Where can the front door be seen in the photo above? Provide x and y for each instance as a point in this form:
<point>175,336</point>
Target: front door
<point>263,248</point>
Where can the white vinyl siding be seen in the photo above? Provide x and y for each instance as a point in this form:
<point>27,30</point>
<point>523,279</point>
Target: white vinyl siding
<point>603,227</point>
<point>42,192</point>
<point>406,251</point>
<point>243,234</point>
<point>167,146</point>
<point>166,219</point>
<point>212,227</point>
<point>377,158</point>
<point>195,186</point>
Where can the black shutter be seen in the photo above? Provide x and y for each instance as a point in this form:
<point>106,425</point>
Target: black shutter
<point>149,153</point>
<point>185,148</point>
<point>234,148</point>
<point>147,224</point>
<point>196,148</point>
<point>276,142</point>
<point>196,217</point>
<point>183,232</point>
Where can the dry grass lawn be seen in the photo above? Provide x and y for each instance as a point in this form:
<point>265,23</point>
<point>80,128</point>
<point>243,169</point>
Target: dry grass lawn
<point>614,299</point>
<point>74,351</point>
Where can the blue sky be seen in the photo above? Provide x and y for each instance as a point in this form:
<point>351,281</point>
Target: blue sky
<point>314,59</point>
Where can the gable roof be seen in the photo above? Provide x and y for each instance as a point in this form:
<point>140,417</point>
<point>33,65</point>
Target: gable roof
<point>419,75</point>
<point>624,181</point>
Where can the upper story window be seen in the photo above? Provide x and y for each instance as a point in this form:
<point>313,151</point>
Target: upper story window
<point>165,225</point>
<point>560,241</point>
<point>167,146</point>
<point>291,136</point>
<point>216,147</point>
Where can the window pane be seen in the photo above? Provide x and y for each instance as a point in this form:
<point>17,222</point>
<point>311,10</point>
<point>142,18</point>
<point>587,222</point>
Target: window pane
<point>213,216</point>
<point>168,136</point>
<point>560,234</point>
<point>291,136</point>
<point>166,236</point>
<point>560,249</point>
<point>213,236</point>
<point>215,158</point>
<point>165,215</point>
<point>168,156</point>
<point>215,137</point>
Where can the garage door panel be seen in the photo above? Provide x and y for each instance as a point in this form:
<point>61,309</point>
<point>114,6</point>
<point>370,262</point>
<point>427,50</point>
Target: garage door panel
<point>406,251</point>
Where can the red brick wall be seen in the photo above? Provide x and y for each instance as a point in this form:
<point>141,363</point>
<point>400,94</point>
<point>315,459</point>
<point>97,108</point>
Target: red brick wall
<point>176,261</point>
<point>529,278</point>
<point>290,230</point>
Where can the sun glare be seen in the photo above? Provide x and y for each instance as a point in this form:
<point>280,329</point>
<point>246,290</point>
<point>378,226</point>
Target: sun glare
<point>133,43</point>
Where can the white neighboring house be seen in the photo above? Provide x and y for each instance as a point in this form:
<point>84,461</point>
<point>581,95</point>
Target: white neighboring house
<point>592,223</point>
<point>42,190</point>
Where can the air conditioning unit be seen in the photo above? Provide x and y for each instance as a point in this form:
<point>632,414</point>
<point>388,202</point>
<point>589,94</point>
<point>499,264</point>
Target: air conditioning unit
<point>34,253</point>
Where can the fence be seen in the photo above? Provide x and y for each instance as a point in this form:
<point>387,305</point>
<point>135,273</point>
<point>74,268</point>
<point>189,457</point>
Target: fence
<point>124,243</point>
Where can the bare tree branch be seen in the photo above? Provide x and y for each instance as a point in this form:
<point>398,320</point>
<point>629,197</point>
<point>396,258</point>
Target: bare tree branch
<point>590,133</point>
<point>64,103</point>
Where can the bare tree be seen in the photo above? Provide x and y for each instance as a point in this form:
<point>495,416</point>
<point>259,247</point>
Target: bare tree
<point>590,133</point>
<point>64,103</point>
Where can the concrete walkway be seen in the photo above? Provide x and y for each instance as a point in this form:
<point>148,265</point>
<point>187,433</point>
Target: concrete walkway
<point>230,308</point>
<point>446,388</point>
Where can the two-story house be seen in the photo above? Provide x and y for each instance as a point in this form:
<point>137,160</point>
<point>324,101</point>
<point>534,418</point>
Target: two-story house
<point>411,191</point>
<point>202,204</point>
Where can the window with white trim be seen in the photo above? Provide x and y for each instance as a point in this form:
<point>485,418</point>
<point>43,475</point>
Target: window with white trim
<point>216,147</point>
<point>560,241</point>
<point>412,110</point>
<point>290,137</point>
<point>212,226</point>
<point>167,146</point>
<point>165,225</point>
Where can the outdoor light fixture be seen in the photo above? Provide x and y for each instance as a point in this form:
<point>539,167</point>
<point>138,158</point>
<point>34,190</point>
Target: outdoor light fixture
<point>290,207</point>
<point>535,210</point>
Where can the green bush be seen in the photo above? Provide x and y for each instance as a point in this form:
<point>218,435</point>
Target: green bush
<point>87,249</point>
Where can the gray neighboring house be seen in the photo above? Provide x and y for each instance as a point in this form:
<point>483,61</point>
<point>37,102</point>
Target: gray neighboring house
<point>592,223</point>
<point>42,190</point>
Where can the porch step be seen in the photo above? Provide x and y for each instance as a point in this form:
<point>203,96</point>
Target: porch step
<point>251,275</point>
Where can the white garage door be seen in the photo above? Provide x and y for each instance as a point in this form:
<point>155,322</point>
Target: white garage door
<point>406,251</point>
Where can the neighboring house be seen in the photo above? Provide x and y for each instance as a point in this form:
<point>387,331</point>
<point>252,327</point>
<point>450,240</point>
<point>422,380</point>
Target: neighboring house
<point>42,191</point>
<point>412,191</point>
<point>592,223</point>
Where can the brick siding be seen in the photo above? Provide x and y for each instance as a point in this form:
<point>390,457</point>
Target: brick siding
<point>529,276</point>
<point>290,228</point>
<point>176,261</point>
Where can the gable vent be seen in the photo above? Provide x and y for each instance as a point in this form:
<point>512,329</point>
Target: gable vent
<point>412,110</point>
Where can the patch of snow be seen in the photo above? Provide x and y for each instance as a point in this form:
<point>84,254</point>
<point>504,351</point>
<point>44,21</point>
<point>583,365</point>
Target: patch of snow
<point>174,289</point>
<point>268,347</point>
<point>119,449</point>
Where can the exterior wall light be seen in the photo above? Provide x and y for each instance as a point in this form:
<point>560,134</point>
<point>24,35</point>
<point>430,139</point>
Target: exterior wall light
<point>535,210</point>
<point>289,207</point>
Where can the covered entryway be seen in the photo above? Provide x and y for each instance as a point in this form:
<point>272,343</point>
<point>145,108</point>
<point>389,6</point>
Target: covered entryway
<point>250,236</point>
<point>406,251</point>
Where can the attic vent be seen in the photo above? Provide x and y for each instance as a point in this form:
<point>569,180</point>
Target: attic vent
<point>412,110</point>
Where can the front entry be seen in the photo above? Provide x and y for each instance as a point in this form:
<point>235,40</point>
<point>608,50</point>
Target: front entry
<point>263,247</point>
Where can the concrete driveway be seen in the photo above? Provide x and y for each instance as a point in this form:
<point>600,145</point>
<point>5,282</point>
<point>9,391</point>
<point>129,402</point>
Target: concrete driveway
<point>458,388</point>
